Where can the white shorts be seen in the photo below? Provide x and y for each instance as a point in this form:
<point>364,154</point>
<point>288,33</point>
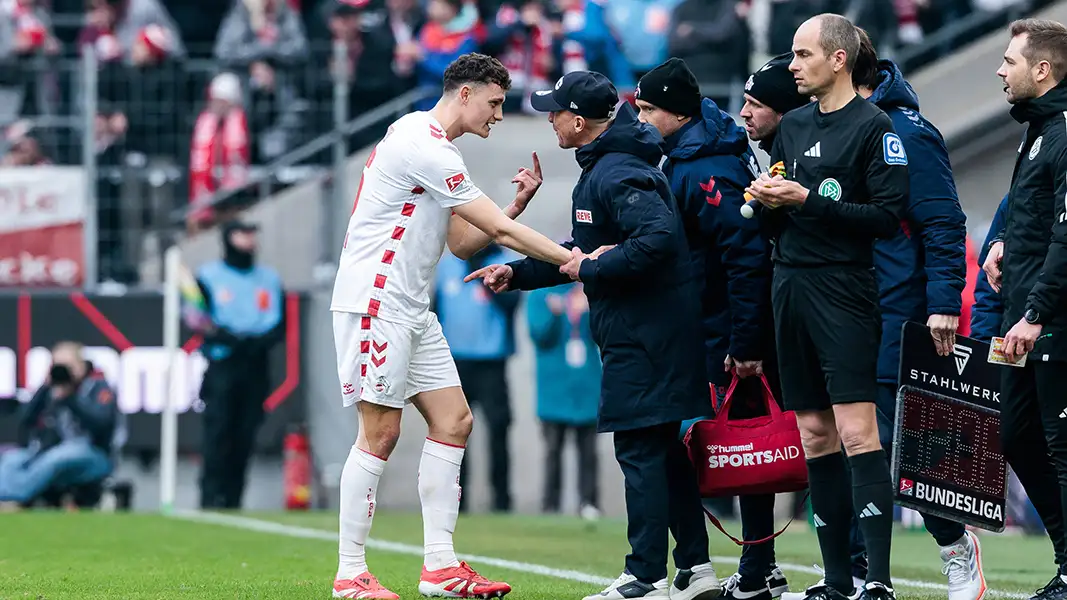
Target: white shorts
<point>387,363</point>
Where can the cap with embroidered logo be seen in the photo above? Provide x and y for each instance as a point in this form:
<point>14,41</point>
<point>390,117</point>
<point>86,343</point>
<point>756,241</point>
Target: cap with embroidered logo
<point>585,93</point>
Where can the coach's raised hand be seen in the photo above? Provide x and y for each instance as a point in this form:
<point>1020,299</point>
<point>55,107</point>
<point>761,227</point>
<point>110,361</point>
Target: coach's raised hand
<point>528,183</point>
<point>496,277</point>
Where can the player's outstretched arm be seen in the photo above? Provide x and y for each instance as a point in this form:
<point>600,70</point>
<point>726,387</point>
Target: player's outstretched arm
<point>484,214</point>
<point>466,240</point>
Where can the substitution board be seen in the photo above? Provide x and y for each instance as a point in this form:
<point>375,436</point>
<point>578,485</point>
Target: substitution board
<point>947,454</point>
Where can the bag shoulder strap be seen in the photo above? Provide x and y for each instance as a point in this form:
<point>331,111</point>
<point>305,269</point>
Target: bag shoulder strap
<point>719,526</point>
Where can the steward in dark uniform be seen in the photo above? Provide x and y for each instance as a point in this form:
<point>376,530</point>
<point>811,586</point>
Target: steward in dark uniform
<point>245,302</point>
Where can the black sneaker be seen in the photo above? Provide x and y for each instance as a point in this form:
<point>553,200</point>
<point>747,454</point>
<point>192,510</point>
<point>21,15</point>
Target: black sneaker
<point>876,591</point>
<point>776,582</point>
<point>1055,590</point>
<point>733,589</point>
<point>822,591</point>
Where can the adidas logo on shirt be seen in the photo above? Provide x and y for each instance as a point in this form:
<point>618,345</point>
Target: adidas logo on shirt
<point>870,511</point>
<point>818,521</point>
<point>1063,414</point>
<point>815,151</point>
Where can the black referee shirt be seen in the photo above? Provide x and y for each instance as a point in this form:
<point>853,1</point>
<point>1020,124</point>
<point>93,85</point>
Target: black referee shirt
<point>855,167</point>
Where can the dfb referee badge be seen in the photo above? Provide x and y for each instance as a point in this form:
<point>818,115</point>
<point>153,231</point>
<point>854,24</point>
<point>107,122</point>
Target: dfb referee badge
<point>893,150</point>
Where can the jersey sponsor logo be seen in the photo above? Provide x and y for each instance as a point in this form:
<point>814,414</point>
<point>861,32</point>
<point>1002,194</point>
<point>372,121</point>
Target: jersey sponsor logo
<point>583,216</point>
<point>454,181</point>
<point>893,150</point>
<point>830,188</point>
<point>1035,148</point>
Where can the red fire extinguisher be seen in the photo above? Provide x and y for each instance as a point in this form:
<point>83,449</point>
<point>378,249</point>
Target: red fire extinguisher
<point>297,470</point>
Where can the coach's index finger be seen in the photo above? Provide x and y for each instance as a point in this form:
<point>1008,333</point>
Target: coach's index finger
<point>480,273</point>
<point>537,165</point>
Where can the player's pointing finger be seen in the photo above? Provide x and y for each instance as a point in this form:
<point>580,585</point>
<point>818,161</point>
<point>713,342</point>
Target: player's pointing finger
<point>537,166</point>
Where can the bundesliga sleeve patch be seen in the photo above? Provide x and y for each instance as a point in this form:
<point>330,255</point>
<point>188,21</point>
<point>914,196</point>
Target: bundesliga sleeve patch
<point>455,181</point>
<point>893,150</point>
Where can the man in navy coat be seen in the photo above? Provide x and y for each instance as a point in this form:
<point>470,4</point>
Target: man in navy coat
<point>708,164</point>
<point>644,316</point>
<point>988,311</point>
<point>921,272</point>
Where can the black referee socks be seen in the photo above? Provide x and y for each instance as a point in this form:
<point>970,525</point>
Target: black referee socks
<point>872,495</point>
<point>832,514</point>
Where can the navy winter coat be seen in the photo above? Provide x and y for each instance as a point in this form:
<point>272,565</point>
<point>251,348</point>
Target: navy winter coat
<point>988,310</point>
<point>644,305</point>
<point>709,164</point>
<point>922,270</point>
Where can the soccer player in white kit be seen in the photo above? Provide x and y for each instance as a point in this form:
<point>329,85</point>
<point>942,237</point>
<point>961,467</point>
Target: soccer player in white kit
<point>414,196</point>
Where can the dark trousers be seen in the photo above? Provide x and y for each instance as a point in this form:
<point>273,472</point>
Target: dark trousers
<point>661,496</point>
<point>945,531</point>
<point>555,435</point>
<point>233,394</point>
<point>486,386</point>
<point>1035,441</point>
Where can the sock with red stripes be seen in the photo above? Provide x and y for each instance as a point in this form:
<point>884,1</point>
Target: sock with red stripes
<point>440,492</point>
<point>359,484</point>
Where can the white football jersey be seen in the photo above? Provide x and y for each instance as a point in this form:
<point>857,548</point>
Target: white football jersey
<point>399,224</point>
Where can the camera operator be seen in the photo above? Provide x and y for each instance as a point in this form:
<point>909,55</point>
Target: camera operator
<point>66,431</point>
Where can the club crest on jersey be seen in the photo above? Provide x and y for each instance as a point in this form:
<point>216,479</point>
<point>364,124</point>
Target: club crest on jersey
<point>1035,148</point>
<point>830,188</point>
<point>454,181</point>
<point>583,216</point>
<point>893,150</point>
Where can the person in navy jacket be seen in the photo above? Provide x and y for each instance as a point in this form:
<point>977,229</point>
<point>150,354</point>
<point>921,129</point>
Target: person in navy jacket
<point>988,310</point>
<point>708,164</point>
<point>631,255</point>
<point>922,272</point>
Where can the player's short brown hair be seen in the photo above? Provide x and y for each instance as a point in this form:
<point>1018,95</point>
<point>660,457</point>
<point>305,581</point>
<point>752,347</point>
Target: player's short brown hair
<point>1045,40</point>
<point>865,73</point>
<point>475,68</point>
<point>838,33</point>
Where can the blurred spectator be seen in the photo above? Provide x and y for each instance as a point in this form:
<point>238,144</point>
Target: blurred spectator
<point>522,38</point>
<point>244,302</point>
<point>264,40</point>
<point>642,27</point>
<point>479,327</point>
<point>135,32</point>
<point>451,30</point>
<point>713,38</point>
<point>220,154</point>
<point>568,389</point>
<point>376,71</point>
<point>66,431</point>
<point>588,44</point>
<point>23,149</point>
<point>199,21</point>
<point>29,80</point>
<point>788,15</point>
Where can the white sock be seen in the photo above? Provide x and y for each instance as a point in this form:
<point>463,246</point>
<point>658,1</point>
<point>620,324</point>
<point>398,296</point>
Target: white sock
<point>439,491</point>
<point>359,486</point>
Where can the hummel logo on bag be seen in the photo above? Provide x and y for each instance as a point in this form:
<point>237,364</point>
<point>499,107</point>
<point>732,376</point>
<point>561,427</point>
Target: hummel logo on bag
<point>870,511</point>
<point>815,151</point>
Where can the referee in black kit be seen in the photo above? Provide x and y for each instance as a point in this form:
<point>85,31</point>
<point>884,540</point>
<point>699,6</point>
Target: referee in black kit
<point>846,184</point>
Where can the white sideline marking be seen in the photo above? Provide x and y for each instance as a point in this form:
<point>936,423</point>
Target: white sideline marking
<point>258,525</point>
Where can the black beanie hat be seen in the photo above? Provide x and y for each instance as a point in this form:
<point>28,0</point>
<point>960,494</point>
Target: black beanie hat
<point>774,85</point>
<point>672,87</point>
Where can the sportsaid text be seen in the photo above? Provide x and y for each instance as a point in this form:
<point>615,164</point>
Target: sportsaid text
<point>746,455</point>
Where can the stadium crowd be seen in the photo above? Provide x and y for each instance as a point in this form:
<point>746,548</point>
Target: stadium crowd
<point>208,88</point>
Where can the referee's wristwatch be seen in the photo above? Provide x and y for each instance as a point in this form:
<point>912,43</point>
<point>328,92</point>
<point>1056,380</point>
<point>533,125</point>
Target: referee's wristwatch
<point>1032,317</point>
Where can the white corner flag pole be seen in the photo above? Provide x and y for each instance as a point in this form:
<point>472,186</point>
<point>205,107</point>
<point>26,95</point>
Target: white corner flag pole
<point>168,435</point>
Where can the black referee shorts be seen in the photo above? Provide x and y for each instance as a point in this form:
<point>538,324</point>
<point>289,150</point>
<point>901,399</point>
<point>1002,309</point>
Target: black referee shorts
<point>828,329</point>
